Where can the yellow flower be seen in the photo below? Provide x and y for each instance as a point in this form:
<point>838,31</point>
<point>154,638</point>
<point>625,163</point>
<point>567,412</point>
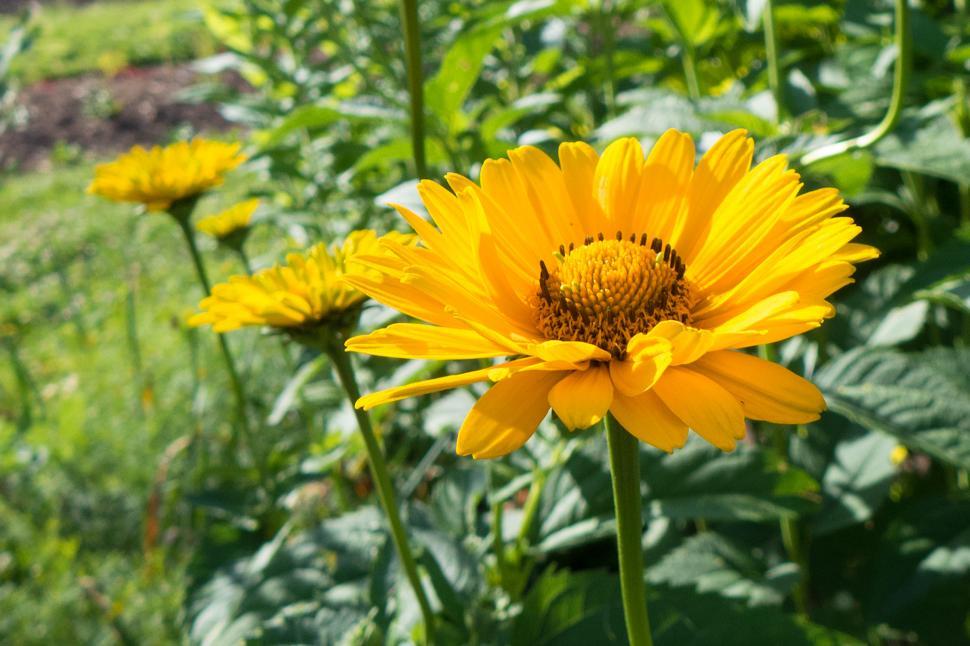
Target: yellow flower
<point>224,224</point>
<point>616,284</point>
<point>161,176</point>
<point>306,292</point>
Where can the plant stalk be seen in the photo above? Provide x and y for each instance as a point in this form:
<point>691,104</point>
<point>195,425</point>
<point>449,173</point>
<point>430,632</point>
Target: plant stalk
<point>412,40</point>
<point>625,470</point>
<point>903,43</point>
<point>382,481</point>
<point>774,67</point>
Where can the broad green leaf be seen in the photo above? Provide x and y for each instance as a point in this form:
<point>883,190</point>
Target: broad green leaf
<point>928,145</point>
<point>446,91</point>
<point>569,608</point>
<point>697,481</point>
<point>856,482</point>
<point>921,574</point>
<point>696,20</point>
<point>903,396</point>
<point>710,562</point>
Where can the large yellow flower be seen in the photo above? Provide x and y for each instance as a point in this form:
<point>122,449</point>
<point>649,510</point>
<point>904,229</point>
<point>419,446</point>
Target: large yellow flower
<point>614,283</point>
<point>161,176</point>
<point>305,293</point>
<point>224,224</point>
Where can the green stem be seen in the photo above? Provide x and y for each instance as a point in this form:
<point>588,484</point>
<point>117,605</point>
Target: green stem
<point>790,528</point>
<point>498,544</point>
<point>412,40</point>
<point>774,68</point>
<point>690,72</point>
<point>625,469</point>
<point>183,222</point>
<point>382,481</point>
<point>606,27</point>
<point>244,259</point>
<point>903,43</point>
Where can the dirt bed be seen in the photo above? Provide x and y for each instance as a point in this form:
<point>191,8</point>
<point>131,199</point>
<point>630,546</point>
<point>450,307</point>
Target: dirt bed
<point>100,116</point>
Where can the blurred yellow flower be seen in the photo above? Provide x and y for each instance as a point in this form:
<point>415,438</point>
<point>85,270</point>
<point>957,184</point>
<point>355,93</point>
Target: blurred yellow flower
<point>161,176</point>
<point>307,292</point>
<point>616,284</point>
<point>234,219</point>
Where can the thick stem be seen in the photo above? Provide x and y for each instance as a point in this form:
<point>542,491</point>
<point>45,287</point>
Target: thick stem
<point>412,44</point>
<point>690,72</point>
<point>774,68</point>
<point>625,470</point>
<point>903,44</point>
<point>382,481</point>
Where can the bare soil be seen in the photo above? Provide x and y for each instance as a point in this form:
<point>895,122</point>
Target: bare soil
<point>101,116</point>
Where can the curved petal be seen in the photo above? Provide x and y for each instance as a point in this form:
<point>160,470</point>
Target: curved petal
<point>648,419</point>
<point>687,343</point>
<point>662,197</point>
<point>647,358</point>
<point>616,182</point>
<point>417,341</point>
<point>766,390</point>
<point>578,162</point>
<point>582,398</point>
<point>427,386</point>
<point>506,416</point>
<point>710,410</point>
<point>571,351</point>
<point>721,167</point>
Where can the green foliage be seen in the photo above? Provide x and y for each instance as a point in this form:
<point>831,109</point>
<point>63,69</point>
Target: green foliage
<point>131,513</point>
<point>109,36</point>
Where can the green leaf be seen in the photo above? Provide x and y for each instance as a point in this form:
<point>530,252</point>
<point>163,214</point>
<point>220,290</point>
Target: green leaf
<point>696,20</point>
<point>921,572</point>
<point>446,91</point>
<point>931,145</point>
<point>904,396</point>
<point>710,562</point>
<point>856,482</point>
<point>569,608</point>
<point>698,481</point>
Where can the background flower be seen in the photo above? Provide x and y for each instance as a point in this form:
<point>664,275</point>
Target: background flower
<point>225,223</point>
<point>161,176</point>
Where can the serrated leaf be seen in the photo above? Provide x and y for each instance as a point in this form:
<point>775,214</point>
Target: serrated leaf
<point>710,562</point>
<point>899,394</point>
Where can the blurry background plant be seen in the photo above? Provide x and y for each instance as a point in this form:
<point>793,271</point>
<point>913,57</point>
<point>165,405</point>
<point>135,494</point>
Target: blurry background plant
<point>117,482</point>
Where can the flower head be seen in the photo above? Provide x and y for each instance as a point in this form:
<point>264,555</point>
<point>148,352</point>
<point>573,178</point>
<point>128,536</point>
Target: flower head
<point>232,221</point>
<point>305,293</point>
<point>161,176</point>
<point>614,283</point>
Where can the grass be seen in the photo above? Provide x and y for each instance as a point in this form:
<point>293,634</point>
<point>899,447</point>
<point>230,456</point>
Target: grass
<point>79,468</point>
<point>109,36</point>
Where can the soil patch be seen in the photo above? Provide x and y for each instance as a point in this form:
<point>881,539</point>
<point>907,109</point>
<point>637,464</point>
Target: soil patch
<point>102,116</point>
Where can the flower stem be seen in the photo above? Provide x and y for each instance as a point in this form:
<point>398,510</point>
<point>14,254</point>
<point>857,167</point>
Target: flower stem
<point>774,68</point>
<point>903,43</point>
<point>183,222</point>
<point>412,45</point>
<point>382,481</point>
<point>625,470</point>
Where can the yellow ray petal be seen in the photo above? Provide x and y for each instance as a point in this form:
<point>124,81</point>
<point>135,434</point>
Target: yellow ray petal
<point>686,343</point>
<point>649,420</point>
<point>710,410</point>
<point>719,170</point>
<point>506,416</point>
<point>578,161</point>
<point>647,358</point>
<point>616,182</point>
<point>662,197</point>
<point>766,390</point>
<point>427,386</point>
<point>417,341</point>
<point>570,351</point>
<point>581,398</point>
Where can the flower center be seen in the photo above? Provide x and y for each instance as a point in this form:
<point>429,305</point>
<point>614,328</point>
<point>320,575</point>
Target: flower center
<point>607,291</point>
